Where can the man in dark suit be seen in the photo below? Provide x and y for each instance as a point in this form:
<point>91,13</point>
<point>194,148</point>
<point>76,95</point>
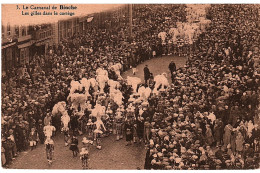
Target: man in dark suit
<point>172,68</point>
<point>146,74</point>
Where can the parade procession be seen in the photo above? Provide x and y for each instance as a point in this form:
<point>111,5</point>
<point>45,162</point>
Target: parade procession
<point>142,86</point>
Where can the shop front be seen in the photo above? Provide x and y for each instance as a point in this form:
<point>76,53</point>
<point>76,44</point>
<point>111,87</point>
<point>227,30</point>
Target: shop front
<point>9,54</point>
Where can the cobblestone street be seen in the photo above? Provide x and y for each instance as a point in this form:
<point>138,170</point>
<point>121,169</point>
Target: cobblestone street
<point>113,155</point>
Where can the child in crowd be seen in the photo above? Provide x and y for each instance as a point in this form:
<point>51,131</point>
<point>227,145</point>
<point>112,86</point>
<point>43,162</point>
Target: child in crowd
<point>33,138</point>
<point>74,145</point>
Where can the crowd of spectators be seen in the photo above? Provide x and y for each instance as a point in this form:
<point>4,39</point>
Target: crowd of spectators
<point>29,92</point>
<point>211,117</point>
<point>213,102</point>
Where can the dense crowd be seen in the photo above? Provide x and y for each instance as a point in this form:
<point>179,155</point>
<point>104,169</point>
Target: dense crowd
<point>202,121</point>
<point>211,117</point>
<point>29,92</point>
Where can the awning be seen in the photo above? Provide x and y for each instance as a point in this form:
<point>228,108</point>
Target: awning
<point>43,42</point>
<point>24,45</point>
<point>90,19</point>
<point>8,45</point>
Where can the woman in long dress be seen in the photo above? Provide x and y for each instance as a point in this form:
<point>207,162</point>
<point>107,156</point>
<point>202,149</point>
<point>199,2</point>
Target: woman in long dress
<point>239,142</point>
<point>209,136</point>
<point>147,130</point>
<point>3,156</point>
<point>129,132</point>
<point>233,140</point>
<point>227,135</point>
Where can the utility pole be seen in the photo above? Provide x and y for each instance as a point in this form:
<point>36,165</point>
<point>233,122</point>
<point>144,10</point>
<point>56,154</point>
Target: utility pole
<point>131,19</point>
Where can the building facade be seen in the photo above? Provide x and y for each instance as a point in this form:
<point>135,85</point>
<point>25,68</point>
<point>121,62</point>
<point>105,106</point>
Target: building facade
<point>9,47</point>
<point>67,28</point>
<point>43,38</point>
<point>21,43</point>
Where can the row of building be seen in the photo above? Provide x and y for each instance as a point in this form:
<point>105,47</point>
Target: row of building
<point>21,43</point>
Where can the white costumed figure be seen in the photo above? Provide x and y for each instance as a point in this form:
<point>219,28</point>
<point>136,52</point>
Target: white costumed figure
<point>116,68</point>
<point>117,97</point>
<point>113,85</point>
<point>133,81</point>
<point>144,92</point>
<point>162,35</point>
<point>65,119</point>
<point>141,91</point>
<point>92,82</point>
<point>49,130</point>
<point>75,85</point>
<point>59,107</point>
<point>160,80</point>
<point>98,112</point>
<point>147,93</point>
<point>78,100</point>
<point>94,85</point>
<point>102,78</point>
<point>86,84</point>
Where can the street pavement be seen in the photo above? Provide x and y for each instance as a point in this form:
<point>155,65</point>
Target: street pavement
<point>113,155</point>
<point>157,66</point>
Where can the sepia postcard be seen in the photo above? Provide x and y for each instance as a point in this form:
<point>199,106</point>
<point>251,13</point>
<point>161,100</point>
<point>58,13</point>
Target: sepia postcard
<point>130,86</point>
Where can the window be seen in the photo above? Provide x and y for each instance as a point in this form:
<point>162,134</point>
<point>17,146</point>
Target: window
<point>30,30</point>
<point>9,58</point>
<point>8,29</point>
<point>23,31</point>
<point>3,29</point>
<point>60,35</point>
<point>16,30</point>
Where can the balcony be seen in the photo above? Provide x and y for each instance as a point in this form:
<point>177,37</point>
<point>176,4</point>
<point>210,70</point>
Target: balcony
<point>24,38</point>
<point>42,34</point>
